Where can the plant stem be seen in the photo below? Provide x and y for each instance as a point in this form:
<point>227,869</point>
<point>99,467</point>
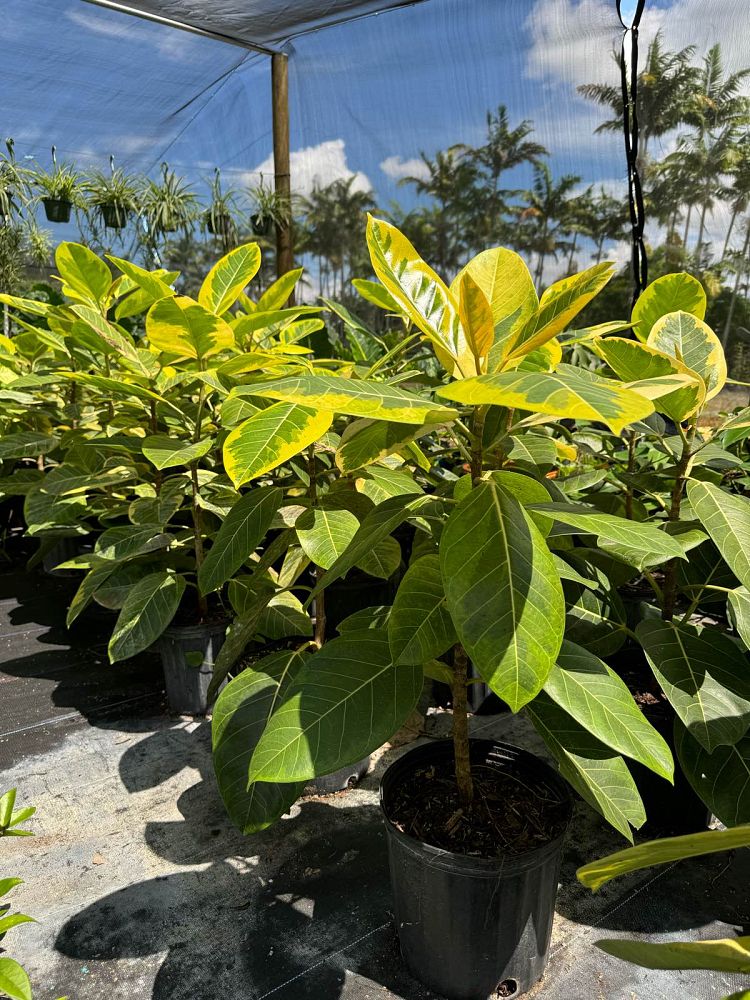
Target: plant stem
<point>681,473</point>
<point>477,429</point>
<point>197,534</point>
<point>461,726</point>
<point>320,605</point>
<point>630,470</point>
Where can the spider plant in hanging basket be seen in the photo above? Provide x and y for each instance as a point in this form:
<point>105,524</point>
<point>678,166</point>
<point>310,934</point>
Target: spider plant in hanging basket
<point>113,194</point>
<point>270,209</point>
<point>60,189</point>
<point>218,219</point>
<point>168,204</point>
<point>14,186</point>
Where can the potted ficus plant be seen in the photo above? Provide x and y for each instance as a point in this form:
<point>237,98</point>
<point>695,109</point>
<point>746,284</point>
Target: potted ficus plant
<point>159,501</point>
<point>60,189</point>
<point>484,585</point>
<point>113,194</point>
<point>687,633</point>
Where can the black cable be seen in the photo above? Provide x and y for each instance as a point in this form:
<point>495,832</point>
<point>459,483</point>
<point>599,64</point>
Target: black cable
<point>629,81</point>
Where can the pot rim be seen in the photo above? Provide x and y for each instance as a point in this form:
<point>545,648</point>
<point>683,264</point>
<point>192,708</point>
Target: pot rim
<point>466,864</point>
<point>174,631</point>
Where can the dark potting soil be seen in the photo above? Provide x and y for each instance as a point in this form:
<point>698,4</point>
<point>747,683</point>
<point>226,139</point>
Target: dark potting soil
<point>511,814</point>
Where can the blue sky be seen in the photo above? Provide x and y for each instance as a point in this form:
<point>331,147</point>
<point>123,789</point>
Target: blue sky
<point>366,97</point>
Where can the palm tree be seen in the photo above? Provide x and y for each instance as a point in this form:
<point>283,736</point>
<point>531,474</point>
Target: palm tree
<point>333,232</point>
<point>664,85</point>
<point>504,149</point>
<point>450,180</point>
<point>608,220</point>
<point>546,216</point>
<point>738,191</point>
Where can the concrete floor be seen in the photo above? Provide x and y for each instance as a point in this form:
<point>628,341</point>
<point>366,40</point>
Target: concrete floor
<point>143,890</point>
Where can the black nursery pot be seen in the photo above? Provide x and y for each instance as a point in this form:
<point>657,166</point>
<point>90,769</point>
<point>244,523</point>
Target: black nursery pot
<point>218,224</point>
<point>474,928</point>
<point>187,685</point>
<point>262,225</point>
<point>57,209</point>
<point>357,592</point>
<point>114,216</point>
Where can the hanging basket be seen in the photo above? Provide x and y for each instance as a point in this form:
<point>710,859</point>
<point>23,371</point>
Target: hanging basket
<point>114,215</point>
<point>218,223</point>
<point>262,225</point>
<point>57,209</point>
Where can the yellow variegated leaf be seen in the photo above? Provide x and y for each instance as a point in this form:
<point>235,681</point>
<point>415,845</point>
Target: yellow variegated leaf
<point>84,275</point>
<point>691,341</point>
<point>112,339</point>
<point>569,392</point>
<point>476,319</point>
<point>182,327</point>
<point>355,397</point>
<point>635,362</point>
<point>560,303</point>
<point>270,437</point>
<point>509,288</point>
<point>725,955</point>
<point>670,293</point>
<point>277,294</point>
<point>365,441</point>
<point>225,281</point>
<point>422,293</point>
<point>153,284</point>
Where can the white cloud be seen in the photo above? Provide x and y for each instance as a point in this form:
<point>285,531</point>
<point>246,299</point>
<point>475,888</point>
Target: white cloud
<point>171,43</point>
<point>313,166</point>
<point>572,41</point>
<point>396,168</point>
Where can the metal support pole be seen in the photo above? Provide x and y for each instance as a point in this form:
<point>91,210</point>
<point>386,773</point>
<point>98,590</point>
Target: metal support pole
<point>282,178</point>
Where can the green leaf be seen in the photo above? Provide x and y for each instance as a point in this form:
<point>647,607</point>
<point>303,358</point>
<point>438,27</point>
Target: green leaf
<point>239,718</point>
<point>721,779</point>
<point>729,955</point>
<point>270,437</point>
<point>239,634</point>
<point>228,277</point>
<point>694,343</point>
<point>85,593</point>
<point>596,618</point>
<point>277,294</point>
<point>376,617</point>
<point>6,884</point>
<point>148,609</point>
<point>592,693</point>
<point>704,675</point>
<point>184,328</point>
<point>365,441</point>
<point>599,775</point>
<point>383,559</point>
<point>739,600</point>
<point>129,540</point>
<point>13,920</point>
<point>727,520</point>
<point>533,449</point>
<point>165,452</point>
<point>239,536</point>
<point>355,397</point>
<point>378,483</point>
<point>635,536</point>
<point>7,801</point>
<point>284,617</point>
<point>109,338</point>
<point>664,851</point>
<point>84,274</point>
<point>377,294</point>
<point>503,592</point>
<point>375,526</point>
<point>568,392</point>
<point>26,444</point>
<point>14,982</point>
<point>347,701</point>
<point>668,294</point>
<point>421,293</point>
<point>561,303</point>
<point>325,534</point>
<point>152,283</point>
<point>113,592</point>
<point>420,627</point>
<point>632,362</point>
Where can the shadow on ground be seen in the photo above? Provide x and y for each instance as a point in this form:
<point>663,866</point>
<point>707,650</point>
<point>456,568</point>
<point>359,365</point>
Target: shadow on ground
<point>314,910</point>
